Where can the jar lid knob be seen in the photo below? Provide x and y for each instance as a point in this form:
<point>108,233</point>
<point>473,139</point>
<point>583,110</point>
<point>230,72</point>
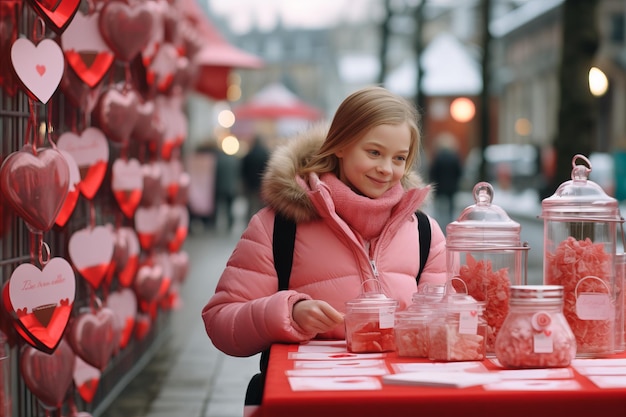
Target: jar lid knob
<point>483,193</point>
<point>580,172</point>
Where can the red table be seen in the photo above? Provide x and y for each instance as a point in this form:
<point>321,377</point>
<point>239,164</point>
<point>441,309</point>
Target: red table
<point>396,400</point>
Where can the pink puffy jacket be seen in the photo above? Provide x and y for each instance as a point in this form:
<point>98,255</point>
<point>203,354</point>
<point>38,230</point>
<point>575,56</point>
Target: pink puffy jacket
<point>247,313</point>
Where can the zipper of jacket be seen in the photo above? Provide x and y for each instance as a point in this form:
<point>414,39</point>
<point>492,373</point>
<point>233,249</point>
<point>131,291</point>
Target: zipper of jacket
<point>374,269</point>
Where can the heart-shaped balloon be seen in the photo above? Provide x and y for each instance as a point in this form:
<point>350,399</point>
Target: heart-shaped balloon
<point>35,185</point>
<point>94,336</point>
<point>72,195</point>
<point>85,50</point>
<point>48,376</point>
<point>39,67</point>
<point>42,300</point>
<point>86,379</point>
<point>91,251</point>
<point>116,112</point>
<point>57,13</point>
<point>127,29</point>
<point>90,150</point>
<point>124,303</point>
<point>127,185</point>
<point>8,35</point>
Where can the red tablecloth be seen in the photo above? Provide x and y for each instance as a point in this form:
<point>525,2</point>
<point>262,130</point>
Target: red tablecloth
<point>394,400</point>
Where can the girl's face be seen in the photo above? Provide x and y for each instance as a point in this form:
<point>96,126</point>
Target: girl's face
<point>377,161</point>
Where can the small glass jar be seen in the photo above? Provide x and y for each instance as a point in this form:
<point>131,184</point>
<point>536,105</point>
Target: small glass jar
<point>580,232</point>
<point>535,333</point>
<point>427,295</point>
<point>485,255</point>
<point>369,322</point>
<point>458,330</point>
<point>411,332</point>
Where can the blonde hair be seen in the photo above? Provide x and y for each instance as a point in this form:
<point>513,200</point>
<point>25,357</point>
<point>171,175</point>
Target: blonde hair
<point>357,114</point>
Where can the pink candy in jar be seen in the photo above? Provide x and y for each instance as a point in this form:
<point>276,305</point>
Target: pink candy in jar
<point>535,333</point>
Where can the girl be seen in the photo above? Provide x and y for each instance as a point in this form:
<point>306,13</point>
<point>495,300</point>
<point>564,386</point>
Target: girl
<point>352,191</point>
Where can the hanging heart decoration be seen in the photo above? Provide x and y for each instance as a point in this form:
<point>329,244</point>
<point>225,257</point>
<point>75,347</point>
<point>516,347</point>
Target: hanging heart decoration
<point>169,111</point>
<point>158,9</point>
<point>148,281</point>
<point>41,300</point>
<point>127,29</point>
<point>39,67</point>
<point>8,35</point>
<point>94,335</point>
<point>6,302</point>
<point>126,271</point>
<point>123,302</point>
<point>127,185</point>
<point>143,325</point>
<point>172,171</point>
<point>148,126</point>
<point>90,150</point>
<point>149,224</point>
<point>48,375</point>
<point>181,194</point>
<point>180,266</point>
<point>91,252</point>
<point>79,94</point>
<point>116,112</point>
<point>178,233</point>
<point>73,192</point>
<point>162,68</point>
<point>35,185</point>
<point>86,379</point>
<point>152,192</point>
<point>84,49</point>
<point>57,13</point>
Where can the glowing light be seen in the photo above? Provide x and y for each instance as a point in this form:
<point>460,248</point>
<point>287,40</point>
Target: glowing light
<point>226,118</point>
<point>462,109</point>
<point>598,83</point>
<point>230,145</point>
<point>523,127</point>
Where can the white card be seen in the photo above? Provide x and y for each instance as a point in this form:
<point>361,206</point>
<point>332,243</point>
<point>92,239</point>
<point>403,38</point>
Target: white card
<point>599,362</point>
<point>376,371</point>
<point>364,363</point>
<point>550,373</point>
<point>338,383</point>
<point>441,379</point>
<point>602,370</point>
<point>325,356</point>
<point>467,366</point>
<point>534,385</point>
<point>608,381</point>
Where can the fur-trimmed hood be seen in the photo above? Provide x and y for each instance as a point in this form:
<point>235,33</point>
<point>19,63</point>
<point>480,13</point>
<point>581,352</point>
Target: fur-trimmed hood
<point>280,188</point>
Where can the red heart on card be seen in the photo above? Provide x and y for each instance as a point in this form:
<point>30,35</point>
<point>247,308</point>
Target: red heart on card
<point>94,336</point>
<point>127,29</point>
<point>91,251</point>
<point>48,375</point>
<point>127,185</point>
<point>35,185</point>
<point>85,50</point>
<point>57,13</point>
<point>116,113</point>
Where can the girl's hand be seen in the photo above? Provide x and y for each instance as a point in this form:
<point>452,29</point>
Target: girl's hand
<point>316,316</point>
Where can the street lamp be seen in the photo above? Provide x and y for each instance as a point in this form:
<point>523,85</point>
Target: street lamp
<point>598,83</point>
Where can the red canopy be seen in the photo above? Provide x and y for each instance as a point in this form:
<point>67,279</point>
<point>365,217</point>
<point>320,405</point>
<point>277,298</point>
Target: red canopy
<point>276,102</point>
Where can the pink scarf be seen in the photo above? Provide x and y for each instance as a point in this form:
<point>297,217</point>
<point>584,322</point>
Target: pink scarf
<point>367,216</point>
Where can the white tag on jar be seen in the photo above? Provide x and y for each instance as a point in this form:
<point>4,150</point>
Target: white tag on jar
<point>386,318</point>
<point>542,342</point>
<point>468,322</point>
<point>593,306</point>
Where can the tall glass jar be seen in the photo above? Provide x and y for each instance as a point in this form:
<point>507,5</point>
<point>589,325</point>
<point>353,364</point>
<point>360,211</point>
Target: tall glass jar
<point>535,333</point>
<point>370,321</point>
<point>485,255</point>
<point>580,232</point>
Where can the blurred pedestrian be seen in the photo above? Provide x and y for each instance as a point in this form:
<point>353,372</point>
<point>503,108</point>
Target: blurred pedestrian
<point>227,184</point>
<point>252,168</point>
<point>445,172</point>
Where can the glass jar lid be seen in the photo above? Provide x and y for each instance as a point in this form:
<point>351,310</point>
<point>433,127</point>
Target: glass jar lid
<point>536,294</point>
<point>580,198</point>
<point>371,298</point>
<point>483,224</point>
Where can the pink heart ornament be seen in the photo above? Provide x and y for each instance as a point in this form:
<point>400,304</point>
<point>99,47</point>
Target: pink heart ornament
<point>73,193</point>
<point>91,251</point>
<point>94,336</point>
<point>127,185</point>
<point>39,67</point>
<point>123,302</point>
<point>86,379</point>
<point>127,29</point>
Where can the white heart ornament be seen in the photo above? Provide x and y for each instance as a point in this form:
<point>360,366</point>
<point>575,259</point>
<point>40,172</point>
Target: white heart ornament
<point>39,67</point>
<point>91,251</point>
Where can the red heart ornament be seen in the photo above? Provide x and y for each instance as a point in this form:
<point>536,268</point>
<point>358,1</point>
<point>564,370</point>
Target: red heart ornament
<point>116,113</point>
<point>72,195</point>
<point>57,13</point>
<point>85,50</point>
<point>86,379</point>
<point>42,300</point>
<point>78,93</point>
<point>39,67</point>
<point>180,229</point>
<point>143,325</point>
<point>126,272</point>
<point>90,150</point>
<point>149,224</point>
<point>91,251</point>
<point>160,72</point>
<point>8,35</point>
<point>127,185</point>
<point>35,185</point>
<point>94,336</point>
<point>127,29</point>
<point>124,303</point>
<point>48,376</point>
<point>17,325</point>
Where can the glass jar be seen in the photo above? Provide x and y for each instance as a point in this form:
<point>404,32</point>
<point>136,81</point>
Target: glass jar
<point>535,333</point>
<point>620,298</point>
<point>369,322</point>
<point>427,295</point>
<point>458,330</point>
<point>485,255</point>
<point>411,333</point>
<point>580,226</point>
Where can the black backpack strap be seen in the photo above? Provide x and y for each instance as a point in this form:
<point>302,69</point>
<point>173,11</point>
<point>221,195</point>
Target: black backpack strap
<point>423,226</point>
<point>284,237</point>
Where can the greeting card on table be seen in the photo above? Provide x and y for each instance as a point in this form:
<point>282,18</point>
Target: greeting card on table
<point>441,379</point>
<point>336,383</point>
